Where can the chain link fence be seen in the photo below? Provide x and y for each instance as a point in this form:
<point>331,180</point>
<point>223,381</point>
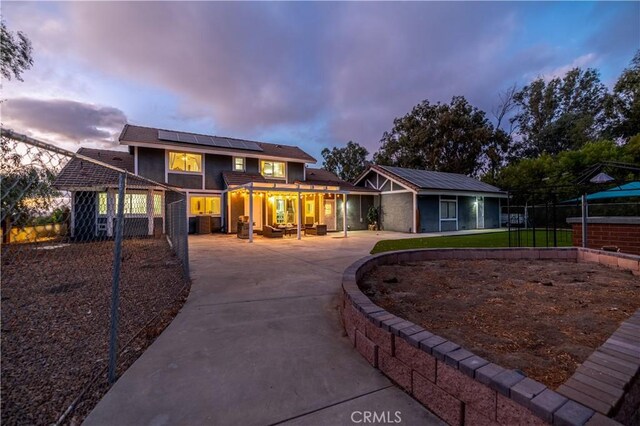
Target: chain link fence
<point>94,266</point>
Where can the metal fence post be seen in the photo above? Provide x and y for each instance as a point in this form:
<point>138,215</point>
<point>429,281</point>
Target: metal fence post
<point>117,261</point>
<point>184,237</point>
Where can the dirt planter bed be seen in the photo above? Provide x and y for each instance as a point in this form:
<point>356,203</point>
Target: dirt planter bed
<point>464,388</point>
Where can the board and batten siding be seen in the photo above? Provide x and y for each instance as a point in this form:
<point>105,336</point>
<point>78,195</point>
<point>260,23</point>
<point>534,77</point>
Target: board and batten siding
<point>151,163</point>
<point>214,166</point>
<point>295,172</point>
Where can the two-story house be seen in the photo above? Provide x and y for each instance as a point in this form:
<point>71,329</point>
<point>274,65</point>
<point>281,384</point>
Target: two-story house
<point>273,184</point>
<point>220,177</point>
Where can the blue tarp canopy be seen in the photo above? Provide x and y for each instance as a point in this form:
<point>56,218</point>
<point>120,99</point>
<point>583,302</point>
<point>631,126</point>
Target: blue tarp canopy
<point>628,190</point>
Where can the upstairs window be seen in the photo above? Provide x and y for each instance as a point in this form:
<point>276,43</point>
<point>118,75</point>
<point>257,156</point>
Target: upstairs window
<point>273,169</point>
<point>185,162</point>
<point>238,164</point>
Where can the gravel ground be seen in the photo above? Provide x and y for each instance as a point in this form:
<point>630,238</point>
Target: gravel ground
<point>542,317</point>
<point>55,321</point>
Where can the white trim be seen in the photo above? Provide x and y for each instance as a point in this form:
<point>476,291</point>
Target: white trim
<point>174,147</point>
<point>460,193</point>
<point>415,214</point>
<point>371,185</point>
<point>383,184</point>
<point>111,203</point>
<point>402,191</point>
<point>299,207</point>
<point>233,163</point>
<point>441,219</point>
<point>344,214</point>
<point>392,179</point>
<point>166,166</point>
<point>304,172</point>
<point>135,160</point>
<point>204,172</point>
<point>150,213</point>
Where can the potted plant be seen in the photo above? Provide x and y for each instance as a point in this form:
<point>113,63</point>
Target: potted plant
<point>372,218</point>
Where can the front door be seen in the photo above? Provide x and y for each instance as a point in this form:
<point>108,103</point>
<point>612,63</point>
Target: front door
<point>480,213</point>
<point>330,214</point>
<point>257,211</point>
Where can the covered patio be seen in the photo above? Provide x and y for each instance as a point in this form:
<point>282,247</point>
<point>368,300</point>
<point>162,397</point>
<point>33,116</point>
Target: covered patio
<point>286,206</point>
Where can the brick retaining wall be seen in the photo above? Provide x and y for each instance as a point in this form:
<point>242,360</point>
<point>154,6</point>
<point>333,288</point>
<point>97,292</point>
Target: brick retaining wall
<point>621,232</point>
<point>464,389</point>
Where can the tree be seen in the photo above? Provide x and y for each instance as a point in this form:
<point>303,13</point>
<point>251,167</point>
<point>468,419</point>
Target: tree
<point>16,53</point>
<point>455,137</point>
<point>348,162</point>
<point>26,187</point>
<point>561,114</point>
<point>560,172</point>
<point>623,105</point>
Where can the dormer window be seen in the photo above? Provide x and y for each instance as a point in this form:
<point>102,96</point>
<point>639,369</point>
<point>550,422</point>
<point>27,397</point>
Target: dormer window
<point>185,162</point>
<point>273,169</point>
<point>238,164</point>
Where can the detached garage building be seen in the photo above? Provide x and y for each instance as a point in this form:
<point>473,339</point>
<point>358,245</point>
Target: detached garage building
<point>427,201</point>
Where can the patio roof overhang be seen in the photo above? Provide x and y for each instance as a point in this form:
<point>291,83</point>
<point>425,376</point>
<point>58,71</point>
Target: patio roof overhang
<point>287,187</point>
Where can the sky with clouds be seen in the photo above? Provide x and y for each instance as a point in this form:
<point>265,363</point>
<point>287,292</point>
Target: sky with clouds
<point>309,74</point>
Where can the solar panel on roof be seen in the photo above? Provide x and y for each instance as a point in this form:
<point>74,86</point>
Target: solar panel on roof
<point>187,138</point>
<point>168,136</point>
<point>208,140</point>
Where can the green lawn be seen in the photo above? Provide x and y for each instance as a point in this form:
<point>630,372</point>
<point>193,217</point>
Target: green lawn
<point>490,239</point>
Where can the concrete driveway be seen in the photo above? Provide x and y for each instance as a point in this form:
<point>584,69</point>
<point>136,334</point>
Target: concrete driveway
<point>259,342</point>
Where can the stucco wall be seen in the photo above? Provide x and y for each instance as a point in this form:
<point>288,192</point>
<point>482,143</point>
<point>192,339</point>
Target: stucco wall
<point>397,212</point>
<point>151,163</point>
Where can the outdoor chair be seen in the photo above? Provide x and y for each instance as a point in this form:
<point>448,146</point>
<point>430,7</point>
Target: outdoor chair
<point>271,232</point>
<point>315,229</point>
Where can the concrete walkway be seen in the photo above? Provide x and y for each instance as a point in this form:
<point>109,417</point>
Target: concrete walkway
<point>259,342</point>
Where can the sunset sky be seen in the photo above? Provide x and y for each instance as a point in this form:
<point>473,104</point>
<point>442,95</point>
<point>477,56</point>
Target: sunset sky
<point>309,74</point>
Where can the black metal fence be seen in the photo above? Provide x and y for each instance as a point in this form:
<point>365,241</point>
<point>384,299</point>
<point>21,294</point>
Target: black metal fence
<point>94,265</point>
<point>539,218</point>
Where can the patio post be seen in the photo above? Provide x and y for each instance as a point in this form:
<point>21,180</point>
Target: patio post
<point>344,214</point>
<point>251,214</point>
<point>299,215</point>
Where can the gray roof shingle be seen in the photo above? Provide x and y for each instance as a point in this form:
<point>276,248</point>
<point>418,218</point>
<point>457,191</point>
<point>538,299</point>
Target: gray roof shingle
<point>81,173</point>
<point>427,179</point>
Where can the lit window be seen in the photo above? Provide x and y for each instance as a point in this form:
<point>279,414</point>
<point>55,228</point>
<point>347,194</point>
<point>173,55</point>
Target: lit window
<point>102,203</point>
<point>185,162</point>
<point>157,205</point>
<point>448,209</point>
<point>205,205</point>
<point>238,164</point>
<point>134,204</point>
<point>274,169</point>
